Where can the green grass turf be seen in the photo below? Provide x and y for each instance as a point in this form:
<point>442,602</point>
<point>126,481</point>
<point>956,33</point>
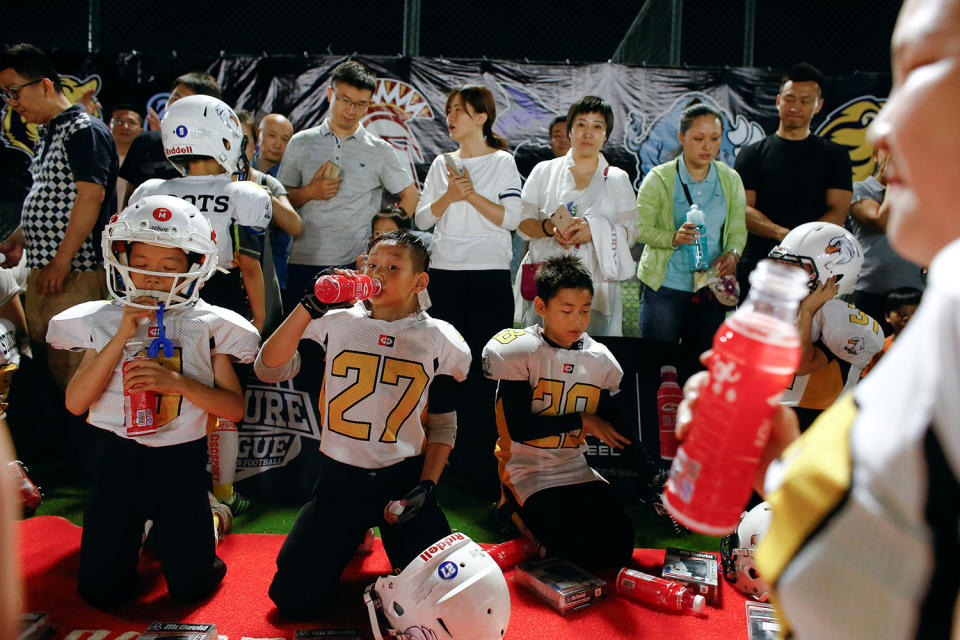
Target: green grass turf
<point>465,513</point>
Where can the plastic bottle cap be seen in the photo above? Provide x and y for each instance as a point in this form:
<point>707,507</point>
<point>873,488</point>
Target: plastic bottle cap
<point>396,509</point>
<point>698,603</point>
<point>667,369</point>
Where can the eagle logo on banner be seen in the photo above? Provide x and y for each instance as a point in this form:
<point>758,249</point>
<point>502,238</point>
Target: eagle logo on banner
<point>394,104</point>
<point>22,136</point>
<point>847,126</point>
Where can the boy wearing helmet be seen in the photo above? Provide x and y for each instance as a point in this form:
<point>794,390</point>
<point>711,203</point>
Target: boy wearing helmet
<point>158,251</point>
<point>204,140</point>
<point>838,340</point>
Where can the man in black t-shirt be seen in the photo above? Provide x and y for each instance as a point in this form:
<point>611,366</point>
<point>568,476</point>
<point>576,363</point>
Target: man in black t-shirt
<point>145,159</point>
<point>792,177</point>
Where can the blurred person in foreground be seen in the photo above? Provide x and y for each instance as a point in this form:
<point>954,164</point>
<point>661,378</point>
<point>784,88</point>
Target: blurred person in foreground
<point>864,538</point>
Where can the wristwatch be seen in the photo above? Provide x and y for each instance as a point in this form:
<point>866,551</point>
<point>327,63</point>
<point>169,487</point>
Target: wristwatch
<point>734,252</point>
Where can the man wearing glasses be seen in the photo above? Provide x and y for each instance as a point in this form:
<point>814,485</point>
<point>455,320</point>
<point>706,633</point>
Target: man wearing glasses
<point>334,175</point>
<point>125,125</point>
<point>74,192</point>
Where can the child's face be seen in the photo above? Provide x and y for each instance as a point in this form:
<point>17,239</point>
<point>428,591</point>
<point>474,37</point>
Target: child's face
<point>151,257</point>
<point>384,225</point>
<point>899,317</point>
<point>392,266</point>
<point>566,315</point>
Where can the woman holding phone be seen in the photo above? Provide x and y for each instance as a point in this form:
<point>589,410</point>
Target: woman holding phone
<point>581,205</point>
<point>472,199</point>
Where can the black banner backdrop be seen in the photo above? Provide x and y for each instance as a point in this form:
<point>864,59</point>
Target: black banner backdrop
<point>408,111</point>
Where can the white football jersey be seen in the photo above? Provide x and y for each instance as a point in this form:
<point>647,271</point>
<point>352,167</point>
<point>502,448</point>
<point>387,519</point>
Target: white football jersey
<point>197,332</point>
<point>222,201</point>
<point>373,402</point>
<point>563,381</point>
<point>850,338</point>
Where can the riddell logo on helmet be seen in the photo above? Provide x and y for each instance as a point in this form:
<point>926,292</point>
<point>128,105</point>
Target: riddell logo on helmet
<point>162,214</point>
<point>178,150</point>
<point>443,544</point>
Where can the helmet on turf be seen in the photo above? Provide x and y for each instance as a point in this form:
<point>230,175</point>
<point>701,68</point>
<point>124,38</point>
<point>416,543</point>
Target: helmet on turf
<point>205,127</point>
<point>823,249</point>
<point>738,548</point>
<point>165,221</point>
<point>453,590</point>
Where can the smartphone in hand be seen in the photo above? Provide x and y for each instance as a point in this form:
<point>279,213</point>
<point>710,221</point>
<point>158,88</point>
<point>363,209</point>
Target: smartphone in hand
<point>332,171</point>
<point>451,165</point>
<point>561,218</point>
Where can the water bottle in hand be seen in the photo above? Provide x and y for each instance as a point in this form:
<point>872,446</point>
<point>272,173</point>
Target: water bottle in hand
<point>331,289</point>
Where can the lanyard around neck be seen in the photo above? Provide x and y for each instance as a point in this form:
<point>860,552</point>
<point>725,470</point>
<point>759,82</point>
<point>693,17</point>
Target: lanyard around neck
<point>686,191</point>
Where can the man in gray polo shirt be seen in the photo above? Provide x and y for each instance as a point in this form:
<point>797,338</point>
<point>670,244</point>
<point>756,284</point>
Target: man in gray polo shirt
<point>337,211</point>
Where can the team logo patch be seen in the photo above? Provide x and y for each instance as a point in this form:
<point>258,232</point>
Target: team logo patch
<point>153,332</point>
<point>447,571</point>
<point>568,368</point>
<point>162,214</point>
<point>385,340</point>
<point>855,346</point>
<point>181,131</point>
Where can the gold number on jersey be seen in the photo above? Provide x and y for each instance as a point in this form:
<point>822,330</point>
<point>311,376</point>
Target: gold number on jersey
<point>579,397</point>
<point>168,404</point>
<point>508,336</point>
<point>863,319</point>
<point>366,365</point>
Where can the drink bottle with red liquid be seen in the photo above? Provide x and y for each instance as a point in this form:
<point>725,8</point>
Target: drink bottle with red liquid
<point>755,356</point>
<point>331,289</point>
<point>139,407</point>
<point>668,399</point>
<point>657,591</point>
<point>509,554</point>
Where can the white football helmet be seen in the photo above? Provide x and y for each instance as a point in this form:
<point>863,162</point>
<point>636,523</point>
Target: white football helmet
<point>453,590</point>
<point>823,249</point>
<point>202,126</point>
<point>168,222</point>
<point>737,549</point>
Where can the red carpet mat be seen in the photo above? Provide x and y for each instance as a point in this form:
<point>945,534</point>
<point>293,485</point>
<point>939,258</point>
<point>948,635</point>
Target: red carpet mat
<point>50,560</point>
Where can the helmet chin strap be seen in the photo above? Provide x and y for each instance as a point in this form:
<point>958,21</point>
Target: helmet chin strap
<point>369,597</point>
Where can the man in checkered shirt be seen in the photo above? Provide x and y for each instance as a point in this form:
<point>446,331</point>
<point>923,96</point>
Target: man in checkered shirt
<point>74,192</point>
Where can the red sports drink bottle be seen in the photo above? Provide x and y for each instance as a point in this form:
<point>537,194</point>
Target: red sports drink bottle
<point>755,356</point>
<point>668,399</point>
<point>335,288</point>
<point>649,589</point>
<point>139,407</point>
<point>509,554</point>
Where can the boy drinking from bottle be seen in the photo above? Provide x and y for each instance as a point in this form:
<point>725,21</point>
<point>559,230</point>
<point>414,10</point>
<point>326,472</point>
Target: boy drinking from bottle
<point>383,449</point>
<point>158,253</point>
<point>554,384</point>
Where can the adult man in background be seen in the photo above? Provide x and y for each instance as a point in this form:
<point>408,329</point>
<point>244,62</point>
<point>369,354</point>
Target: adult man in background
<point>559,136</point>
<point>274,136</point>
<point>792,176</point>
<point>125,125</point>
<point>73,194</point>
<point>145,159</point>
<point>334,174</point>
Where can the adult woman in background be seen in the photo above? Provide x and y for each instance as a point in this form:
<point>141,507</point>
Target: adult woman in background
<point>472,199</point>
<point>603,204</point>
<point>668,311</point>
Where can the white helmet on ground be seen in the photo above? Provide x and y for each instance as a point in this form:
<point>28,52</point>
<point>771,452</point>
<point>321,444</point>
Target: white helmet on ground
<point>453,590</point>
<point>738,548</point>
<point>168,222</point>
<point>202,126</point>
<point>823,249</point>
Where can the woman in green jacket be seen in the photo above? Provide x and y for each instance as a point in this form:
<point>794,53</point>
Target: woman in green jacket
<point>668,310</point>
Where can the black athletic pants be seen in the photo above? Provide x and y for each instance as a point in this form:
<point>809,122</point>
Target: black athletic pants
<point>134,483</point>
<point>584,523</point>
<point>347,501</point>
<point>479,304</point>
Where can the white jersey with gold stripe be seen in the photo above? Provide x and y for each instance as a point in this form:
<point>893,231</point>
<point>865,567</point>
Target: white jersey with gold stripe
<point>197,332</point>
<point>563,381</point>
<point>373,402</point>
<point>850,338</point>
<point>865,535</point>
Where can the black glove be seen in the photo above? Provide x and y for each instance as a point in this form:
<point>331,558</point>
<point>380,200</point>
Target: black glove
<point>422,494</point>
<point>314,307</point>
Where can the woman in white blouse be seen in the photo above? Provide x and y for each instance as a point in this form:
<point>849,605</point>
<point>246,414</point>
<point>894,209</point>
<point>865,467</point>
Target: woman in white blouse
<point>604,207</point>
<point>472,199</point>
